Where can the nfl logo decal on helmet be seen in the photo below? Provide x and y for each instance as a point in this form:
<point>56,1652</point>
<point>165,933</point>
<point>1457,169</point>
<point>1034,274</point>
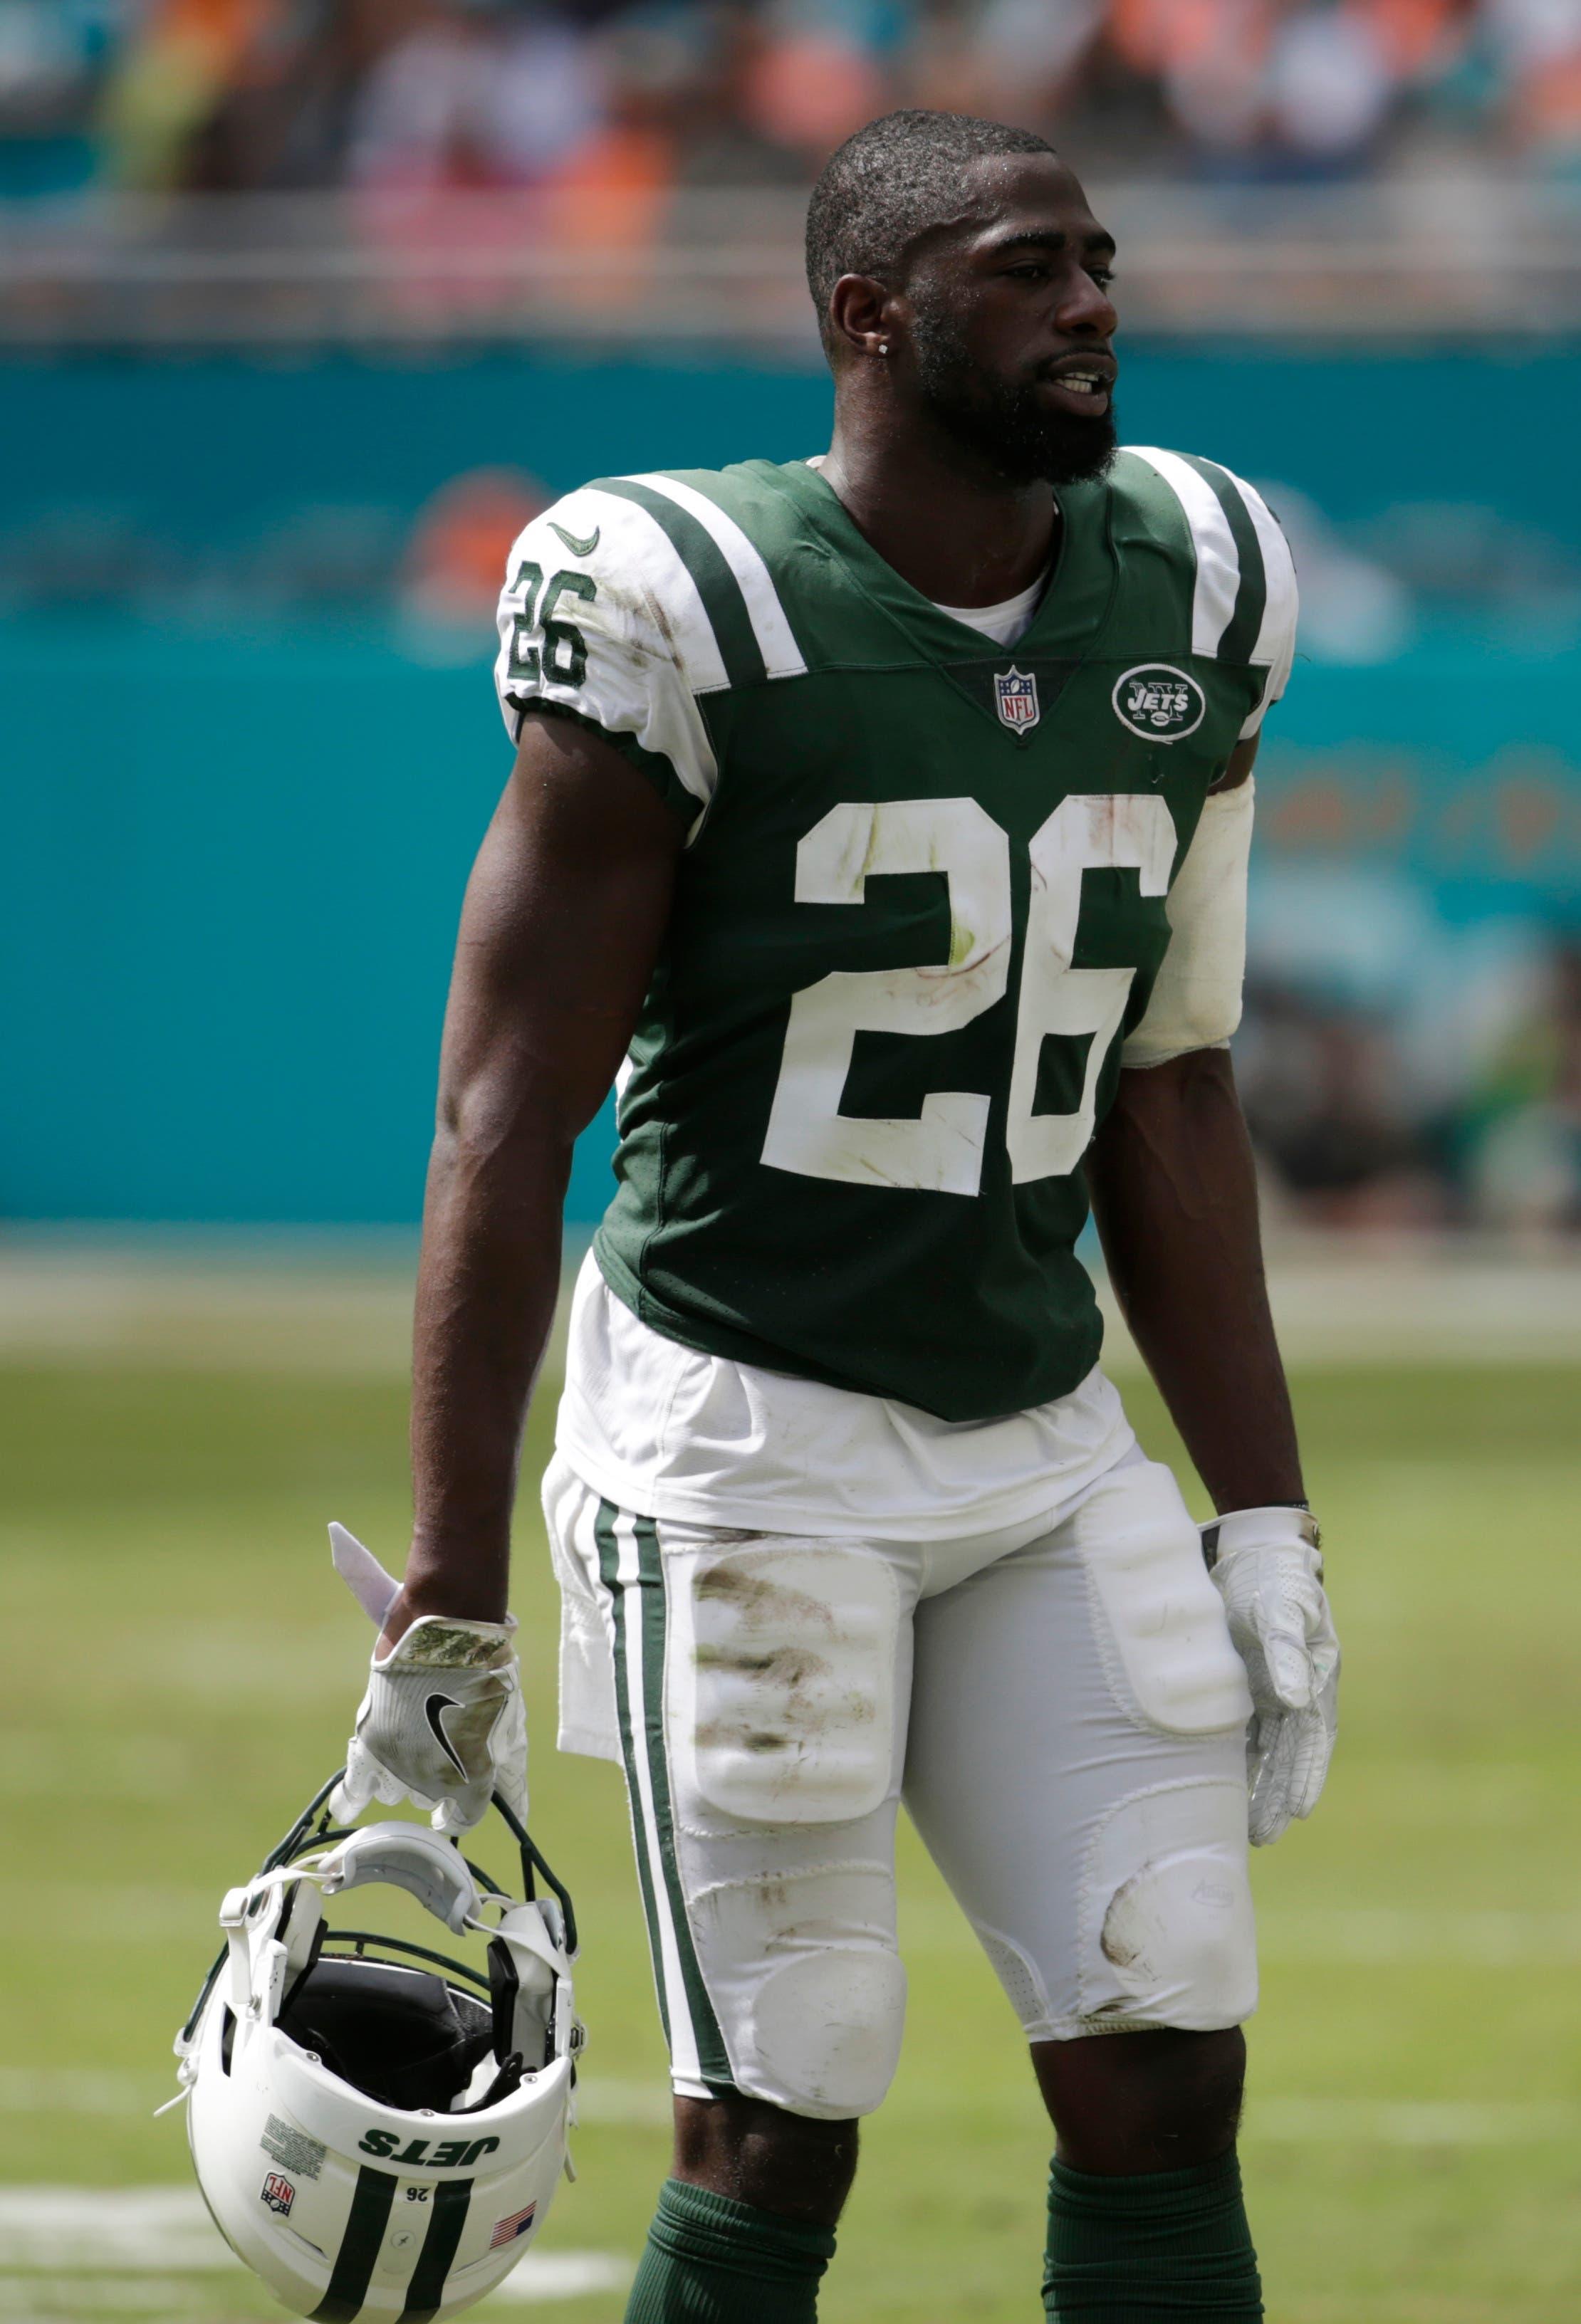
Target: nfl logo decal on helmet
<point>420,2108</point>
<point>1017,697</point>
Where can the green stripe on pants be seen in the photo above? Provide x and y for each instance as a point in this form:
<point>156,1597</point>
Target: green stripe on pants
<point>711,2056</point>
<point>609,1572</point>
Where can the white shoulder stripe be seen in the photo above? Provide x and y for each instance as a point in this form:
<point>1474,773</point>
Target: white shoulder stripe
<point>650,648</point>
<point>776,644</point>
<point>1218,566</point>
<point>649,555</point>
<point>638,546</point>
<point>1278,569</point>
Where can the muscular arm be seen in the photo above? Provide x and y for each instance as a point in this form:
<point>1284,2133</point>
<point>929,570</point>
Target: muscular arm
<point>1175,1196</point>
<point>564,916</point>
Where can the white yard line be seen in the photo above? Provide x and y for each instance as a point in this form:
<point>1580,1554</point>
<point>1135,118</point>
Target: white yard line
<point>560,2275</point>
<point>158,2232</point>
<point>332,1303</point>
<point>51,2297</point>
<point>81,2089</point>
<point>1428,1300</point>
<point>164,2230</point>
<point>1411,2122</point>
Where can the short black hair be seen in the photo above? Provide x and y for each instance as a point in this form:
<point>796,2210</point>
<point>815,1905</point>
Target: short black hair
<point>889,183</point>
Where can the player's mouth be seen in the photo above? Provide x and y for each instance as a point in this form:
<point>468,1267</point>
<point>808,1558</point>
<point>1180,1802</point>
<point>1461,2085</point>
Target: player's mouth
<point>1082,386</point>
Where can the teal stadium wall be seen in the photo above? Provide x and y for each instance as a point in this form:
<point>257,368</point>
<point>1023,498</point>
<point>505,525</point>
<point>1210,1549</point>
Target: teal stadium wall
<point>235,850</point>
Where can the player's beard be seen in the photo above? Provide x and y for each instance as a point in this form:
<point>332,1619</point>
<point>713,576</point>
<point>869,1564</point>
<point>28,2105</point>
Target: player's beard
<point>1005,420</point>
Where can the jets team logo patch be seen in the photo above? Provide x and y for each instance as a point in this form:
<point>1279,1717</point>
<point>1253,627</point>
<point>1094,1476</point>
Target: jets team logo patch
<point>278,2193</point>
<point>1017,697</point>
<point>1160,703</point>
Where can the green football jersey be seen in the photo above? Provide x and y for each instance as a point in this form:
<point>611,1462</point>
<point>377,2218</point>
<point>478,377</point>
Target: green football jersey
<point>921,904</point>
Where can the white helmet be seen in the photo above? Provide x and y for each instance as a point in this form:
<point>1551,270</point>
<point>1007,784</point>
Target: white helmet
<point>378,2130</point>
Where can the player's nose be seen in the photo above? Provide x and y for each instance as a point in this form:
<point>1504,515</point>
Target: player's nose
<point>1086,307</point>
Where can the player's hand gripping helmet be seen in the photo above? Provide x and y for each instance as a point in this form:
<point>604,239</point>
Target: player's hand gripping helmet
<point>378,2130</point>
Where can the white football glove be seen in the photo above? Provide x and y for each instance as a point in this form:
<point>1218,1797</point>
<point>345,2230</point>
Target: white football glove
<point>443,1723</point>
<point>1268,1572</point>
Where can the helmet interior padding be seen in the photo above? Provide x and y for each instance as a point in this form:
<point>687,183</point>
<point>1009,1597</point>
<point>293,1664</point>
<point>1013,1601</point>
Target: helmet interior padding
<point>401,2037</point>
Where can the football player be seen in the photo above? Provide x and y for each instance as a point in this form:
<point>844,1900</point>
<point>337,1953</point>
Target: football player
<point>883,819</point>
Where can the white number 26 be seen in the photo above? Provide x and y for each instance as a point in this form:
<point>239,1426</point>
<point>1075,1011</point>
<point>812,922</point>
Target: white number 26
<point>942,1148</point>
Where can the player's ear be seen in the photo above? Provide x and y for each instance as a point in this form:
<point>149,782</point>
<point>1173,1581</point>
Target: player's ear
<point>859,317</point>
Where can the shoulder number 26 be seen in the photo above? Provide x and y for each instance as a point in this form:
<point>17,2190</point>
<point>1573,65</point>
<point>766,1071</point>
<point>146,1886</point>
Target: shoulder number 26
<point>942,1149</point>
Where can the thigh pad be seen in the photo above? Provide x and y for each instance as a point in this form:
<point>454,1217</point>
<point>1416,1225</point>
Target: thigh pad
<point>1161,1622</point>
<point>783,1680</point>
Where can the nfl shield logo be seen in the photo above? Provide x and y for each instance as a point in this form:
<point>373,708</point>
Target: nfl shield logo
<point>1017,697</point>
<point>279,2193</point>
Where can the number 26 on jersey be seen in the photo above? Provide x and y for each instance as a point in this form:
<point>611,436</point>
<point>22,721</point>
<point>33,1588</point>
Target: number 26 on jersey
<point>942,1149</point>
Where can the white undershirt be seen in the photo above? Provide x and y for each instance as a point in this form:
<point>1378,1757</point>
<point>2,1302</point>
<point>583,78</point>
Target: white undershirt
<point>667,1433</point>
<point>1005,622</point>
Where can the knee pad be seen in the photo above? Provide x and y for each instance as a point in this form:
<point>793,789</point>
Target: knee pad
<point>1168,1936</point>
<point>782,1684</point>
<point>812,1986</point>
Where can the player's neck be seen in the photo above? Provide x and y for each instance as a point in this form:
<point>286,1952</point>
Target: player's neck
<point>962,539</point>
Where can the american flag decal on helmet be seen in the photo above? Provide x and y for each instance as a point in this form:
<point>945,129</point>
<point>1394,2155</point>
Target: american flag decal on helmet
<point>509,2229</point>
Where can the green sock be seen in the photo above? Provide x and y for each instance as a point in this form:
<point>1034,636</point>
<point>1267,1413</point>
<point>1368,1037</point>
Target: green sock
<point>1148,2249</point>
<point>711,2260</point>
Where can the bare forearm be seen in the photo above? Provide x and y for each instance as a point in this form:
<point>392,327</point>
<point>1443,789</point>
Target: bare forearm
<point>1175,1196</point>
<point>564,916</point>
<point>485,1298</point>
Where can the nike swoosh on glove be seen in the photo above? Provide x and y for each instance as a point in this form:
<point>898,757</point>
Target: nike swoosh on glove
<point>1268,1569</point>
<point>442,1723</point>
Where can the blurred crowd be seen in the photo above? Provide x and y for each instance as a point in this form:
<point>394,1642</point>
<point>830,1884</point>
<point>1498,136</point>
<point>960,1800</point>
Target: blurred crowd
<point>1356,1128</point>
<point>645,96</point>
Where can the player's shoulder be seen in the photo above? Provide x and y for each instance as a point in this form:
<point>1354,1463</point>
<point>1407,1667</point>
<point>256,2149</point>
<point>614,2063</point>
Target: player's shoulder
<point>599,620</point>
<point>624,518</point>
<point>599,529</point>
<point>688,557</point>
<point>1218,531</point>
<point>1160,486</point>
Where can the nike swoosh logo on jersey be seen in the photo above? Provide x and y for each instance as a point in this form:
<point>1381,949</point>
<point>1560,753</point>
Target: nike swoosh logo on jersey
<point>577,548</point>
<point>432,1710</point>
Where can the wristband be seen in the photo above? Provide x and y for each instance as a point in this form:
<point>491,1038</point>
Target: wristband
<point>1279,1525</point>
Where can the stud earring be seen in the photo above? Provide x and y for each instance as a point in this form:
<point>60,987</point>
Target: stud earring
<point>883,347</point>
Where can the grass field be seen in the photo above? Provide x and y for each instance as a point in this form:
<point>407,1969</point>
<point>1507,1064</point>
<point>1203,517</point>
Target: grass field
<point>181,1669</point>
